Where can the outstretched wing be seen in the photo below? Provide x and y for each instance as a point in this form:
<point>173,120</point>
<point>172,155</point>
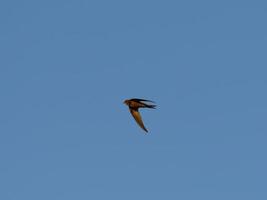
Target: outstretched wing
<point>141,100</point>
<point>138,119</point>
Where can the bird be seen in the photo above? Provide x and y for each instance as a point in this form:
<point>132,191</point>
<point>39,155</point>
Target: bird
<point>134,105</point>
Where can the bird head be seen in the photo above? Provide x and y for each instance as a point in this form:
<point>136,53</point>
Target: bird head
<point>126,102</point>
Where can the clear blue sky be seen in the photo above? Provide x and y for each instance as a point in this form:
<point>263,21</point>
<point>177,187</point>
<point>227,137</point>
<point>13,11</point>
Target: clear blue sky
<point>66,67</point>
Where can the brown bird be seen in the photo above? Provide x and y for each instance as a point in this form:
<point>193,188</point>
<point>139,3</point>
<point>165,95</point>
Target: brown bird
<point>134,105</point>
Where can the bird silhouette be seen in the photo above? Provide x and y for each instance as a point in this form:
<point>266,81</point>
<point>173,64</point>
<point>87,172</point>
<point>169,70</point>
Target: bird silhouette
<point>134,105</point>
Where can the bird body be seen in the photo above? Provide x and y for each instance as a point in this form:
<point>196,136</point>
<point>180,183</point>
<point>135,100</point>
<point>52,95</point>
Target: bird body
<point>134,105</point>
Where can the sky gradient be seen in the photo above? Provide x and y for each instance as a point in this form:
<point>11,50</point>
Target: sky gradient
<point>67,66</point>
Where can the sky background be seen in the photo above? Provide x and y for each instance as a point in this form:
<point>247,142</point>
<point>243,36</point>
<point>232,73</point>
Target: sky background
<point>67,66</point>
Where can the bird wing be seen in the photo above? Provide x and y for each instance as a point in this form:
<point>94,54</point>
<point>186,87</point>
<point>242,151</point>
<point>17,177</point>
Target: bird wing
<point>138,118</point>
<point>141,100</point>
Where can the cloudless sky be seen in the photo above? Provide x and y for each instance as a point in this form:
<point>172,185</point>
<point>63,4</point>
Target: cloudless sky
<point>67,66</point>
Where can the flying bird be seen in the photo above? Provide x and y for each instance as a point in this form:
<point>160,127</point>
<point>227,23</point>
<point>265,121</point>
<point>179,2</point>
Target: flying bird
<point>134,105</point>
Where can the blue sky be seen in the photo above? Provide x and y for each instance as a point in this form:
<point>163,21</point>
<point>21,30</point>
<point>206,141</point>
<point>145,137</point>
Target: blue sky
<point>67,66</point>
